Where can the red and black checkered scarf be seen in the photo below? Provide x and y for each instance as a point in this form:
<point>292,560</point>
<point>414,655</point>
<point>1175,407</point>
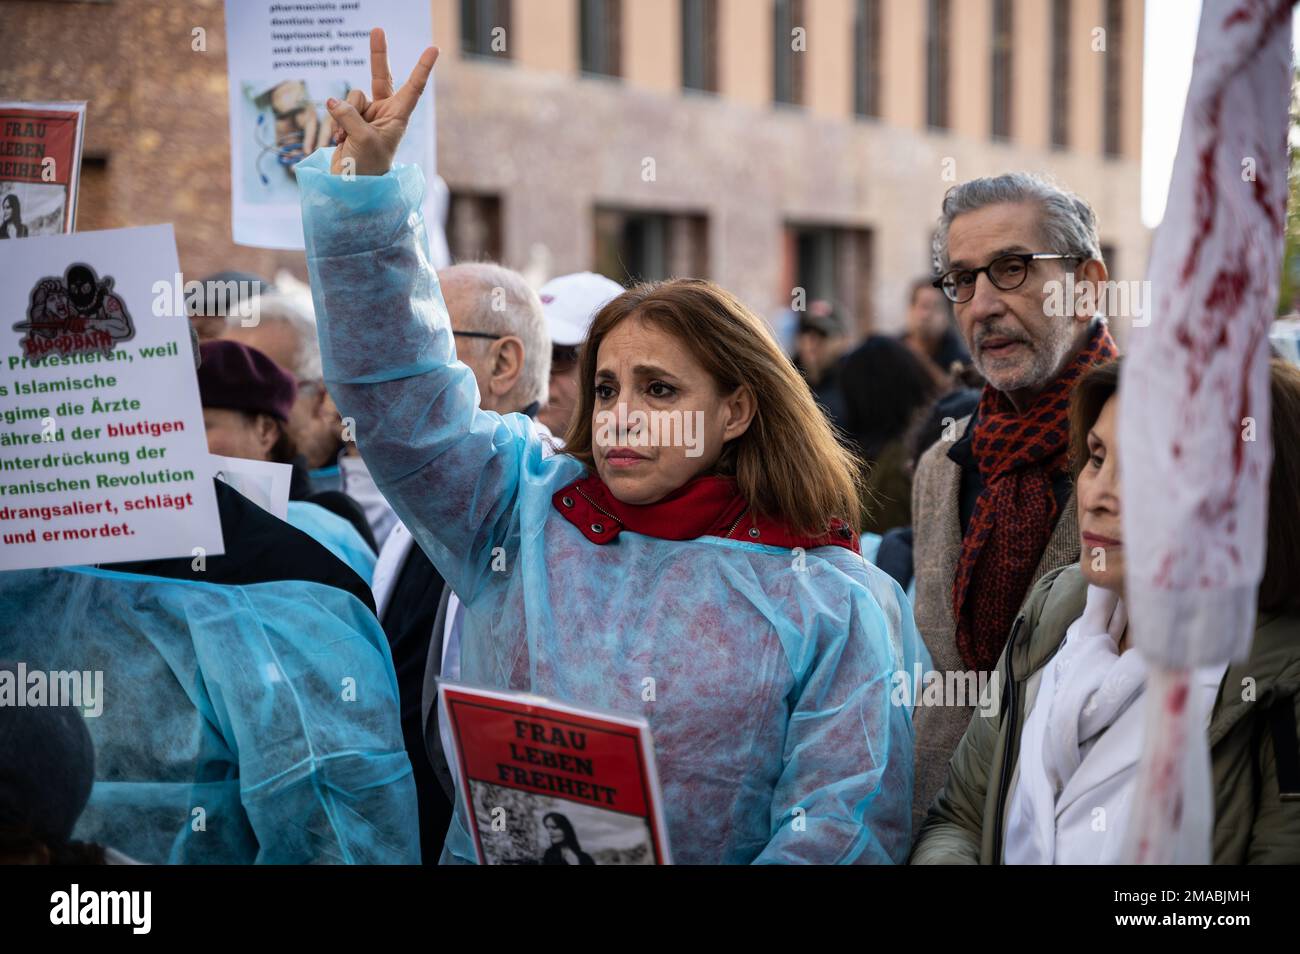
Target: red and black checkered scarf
<point>1018,455</point>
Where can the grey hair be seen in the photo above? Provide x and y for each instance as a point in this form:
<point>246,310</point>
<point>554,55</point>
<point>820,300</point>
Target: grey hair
<point>505,304</point>
<point>1068,224</point>
<point>301,320</point>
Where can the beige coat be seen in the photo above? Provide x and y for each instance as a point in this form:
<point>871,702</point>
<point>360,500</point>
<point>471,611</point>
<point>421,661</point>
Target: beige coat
<point>936,521</point>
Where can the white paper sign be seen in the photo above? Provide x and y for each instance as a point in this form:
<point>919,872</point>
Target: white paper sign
<point>264,483</point>
<point>285,60</point>
<point>1284,336</point>
<point>103,455</point>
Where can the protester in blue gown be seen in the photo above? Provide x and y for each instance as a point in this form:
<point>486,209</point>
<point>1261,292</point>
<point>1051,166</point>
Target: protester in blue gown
<point>249,707</point>
<point>710,580</point>
<point>245,705</point>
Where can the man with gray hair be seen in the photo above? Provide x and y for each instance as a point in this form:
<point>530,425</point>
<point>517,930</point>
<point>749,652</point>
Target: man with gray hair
<point>327,467</point>
<point>993,502</point>
<point>285,331</point>
<point>500,333</point>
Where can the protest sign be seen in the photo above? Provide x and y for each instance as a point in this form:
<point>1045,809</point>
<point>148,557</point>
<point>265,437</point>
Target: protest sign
<point>40,166</point>
<point>549,783</point>
<point>285,60</point>
<point>103,455</point>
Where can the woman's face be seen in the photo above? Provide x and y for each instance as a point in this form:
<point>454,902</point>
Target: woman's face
<point>10,209</point>
<point>57,305</point>
<point>658,420</point>
<point>554,830</point>
<point>1100,533</point>
<point>235,434</point>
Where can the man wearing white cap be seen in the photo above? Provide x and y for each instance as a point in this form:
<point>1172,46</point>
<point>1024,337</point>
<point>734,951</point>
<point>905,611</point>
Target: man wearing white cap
<point>570,302</point>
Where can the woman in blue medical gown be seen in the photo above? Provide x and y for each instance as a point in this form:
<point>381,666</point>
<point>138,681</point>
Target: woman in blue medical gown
<point>690,557</point>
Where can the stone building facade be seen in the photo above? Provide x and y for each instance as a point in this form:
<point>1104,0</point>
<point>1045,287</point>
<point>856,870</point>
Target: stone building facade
<point>554,168</point>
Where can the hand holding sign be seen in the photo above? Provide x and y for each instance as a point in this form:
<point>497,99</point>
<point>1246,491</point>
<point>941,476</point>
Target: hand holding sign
<point>369,132</point>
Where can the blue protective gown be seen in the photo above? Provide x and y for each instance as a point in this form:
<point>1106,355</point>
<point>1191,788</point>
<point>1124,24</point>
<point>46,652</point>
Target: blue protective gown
<point>253,723</point>
<point>335,534</point>
<point>774,733</point>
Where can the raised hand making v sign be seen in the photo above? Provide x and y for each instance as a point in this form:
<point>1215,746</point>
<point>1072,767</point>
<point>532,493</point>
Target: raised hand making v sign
<point>370,130</point>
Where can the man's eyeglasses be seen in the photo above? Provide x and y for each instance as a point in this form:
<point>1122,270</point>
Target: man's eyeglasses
<point>478,334</point>
<point>1006,272</point>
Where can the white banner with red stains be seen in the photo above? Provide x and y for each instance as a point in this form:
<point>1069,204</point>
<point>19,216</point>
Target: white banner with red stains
<point>1195,427</point>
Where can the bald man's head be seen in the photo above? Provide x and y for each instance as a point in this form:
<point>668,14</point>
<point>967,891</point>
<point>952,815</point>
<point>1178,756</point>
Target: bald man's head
<point>512,369</point>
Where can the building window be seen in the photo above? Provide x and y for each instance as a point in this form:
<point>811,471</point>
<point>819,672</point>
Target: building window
<point>832,263</point>
<point>485,28</point>
<point>938,19</point>
<point>600,37</point>
<point>866,58</point>
<point>1002,47</point>
<point>787,61</point>
<point>1112,77</point>
<point>474,227</point>
<point>640,246</point>
<point>1060,102</point>
<point>700,45</point>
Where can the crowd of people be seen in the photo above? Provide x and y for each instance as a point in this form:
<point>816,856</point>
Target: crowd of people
<point>936,500</point>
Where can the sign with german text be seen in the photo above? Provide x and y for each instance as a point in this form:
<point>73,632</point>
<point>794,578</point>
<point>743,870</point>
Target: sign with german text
<point>40,166</point>
<point>553,784</point>
<point>103,454</point>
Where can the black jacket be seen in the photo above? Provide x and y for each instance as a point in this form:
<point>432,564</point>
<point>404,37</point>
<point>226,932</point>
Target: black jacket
<point>335,501</point>
<point>554,856</point>
<point>413,621</point>
<point>259,548</point>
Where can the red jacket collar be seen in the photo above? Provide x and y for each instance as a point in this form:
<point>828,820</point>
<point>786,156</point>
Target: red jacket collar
<point>703,507</point>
